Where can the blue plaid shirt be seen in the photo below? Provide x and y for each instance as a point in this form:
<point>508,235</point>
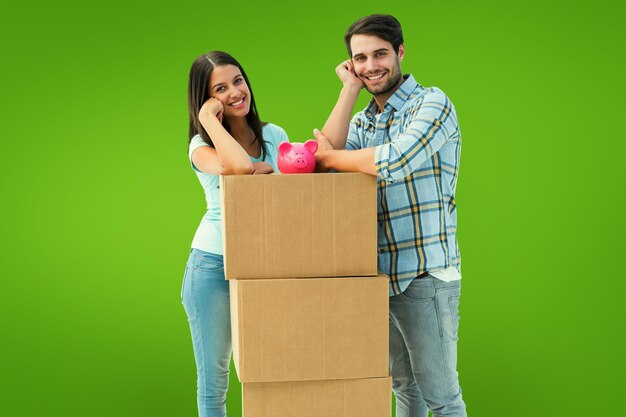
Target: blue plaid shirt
<point>418,145</point>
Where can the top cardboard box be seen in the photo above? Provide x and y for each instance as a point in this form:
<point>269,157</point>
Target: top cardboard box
<point>298,226</point>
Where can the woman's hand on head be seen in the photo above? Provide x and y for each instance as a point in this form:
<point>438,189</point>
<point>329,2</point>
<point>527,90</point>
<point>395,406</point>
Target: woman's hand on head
<point>212,107</point>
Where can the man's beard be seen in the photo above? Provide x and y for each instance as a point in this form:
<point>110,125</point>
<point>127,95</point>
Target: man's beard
<point>392,82</point>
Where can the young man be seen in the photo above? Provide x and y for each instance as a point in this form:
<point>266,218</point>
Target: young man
<point>408,136</point>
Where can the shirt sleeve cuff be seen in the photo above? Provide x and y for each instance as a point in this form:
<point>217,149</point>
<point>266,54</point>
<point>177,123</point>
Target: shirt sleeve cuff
<point>195,144</point>
<point>381,162</point>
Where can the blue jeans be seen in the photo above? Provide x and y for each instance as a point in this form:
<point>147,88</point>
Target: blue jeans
<point>423,333</point>
<point>205,296</point>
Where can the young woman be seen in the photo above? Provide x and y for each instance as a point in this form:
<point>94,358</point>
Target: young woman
<point>226,137</point>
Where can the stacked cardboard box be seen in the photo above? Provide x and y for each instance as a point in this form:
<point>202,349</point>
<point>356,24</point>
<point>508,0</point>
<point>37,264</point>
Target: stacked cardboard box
<point>309,312</point>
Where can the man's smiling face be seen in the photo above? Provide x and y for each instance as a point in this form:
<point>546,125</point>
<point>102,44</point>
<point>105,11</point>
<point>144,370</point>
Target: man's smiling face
<point>376,63</point>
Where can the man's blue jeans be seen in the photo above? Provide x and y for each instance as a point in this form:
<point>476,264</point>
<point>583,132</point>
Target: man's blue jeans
<point>205,296</point>
<point>423,333</point>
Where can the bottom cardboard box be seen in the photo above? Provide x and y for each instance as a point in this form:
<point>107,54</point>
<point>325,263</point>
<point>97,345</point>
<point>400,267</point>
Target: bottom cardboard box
<point>369,397</point>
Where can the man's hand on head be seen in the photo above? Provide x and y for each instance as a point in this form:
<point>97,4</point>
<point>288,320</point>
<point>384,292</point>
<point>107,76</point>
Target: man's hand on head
<point>345,72</point>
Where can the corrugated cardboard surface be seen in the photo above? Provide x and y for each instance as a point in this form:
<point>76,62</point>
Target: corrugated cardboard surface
<point>307,225</point>
<point>336,398</point>
<point>310,329</point>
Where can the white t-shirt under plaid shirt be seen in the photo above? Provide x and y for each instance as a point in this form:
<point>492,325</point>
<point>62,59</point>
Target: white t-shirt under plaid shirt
<point>418,145</point>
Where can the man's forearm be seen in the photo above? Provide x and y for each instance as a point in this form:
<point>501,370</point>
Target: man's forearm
<point>336,127</point>
<point>360,160</point>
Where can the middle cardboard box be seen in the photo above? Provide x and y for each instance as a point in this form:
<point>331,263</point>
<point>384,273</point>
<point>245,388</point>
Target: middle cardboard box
<point>310,329</point>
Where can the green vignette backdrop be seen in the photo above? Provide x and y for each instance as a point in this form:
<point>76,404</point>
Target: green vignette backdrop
<point>100,205</point>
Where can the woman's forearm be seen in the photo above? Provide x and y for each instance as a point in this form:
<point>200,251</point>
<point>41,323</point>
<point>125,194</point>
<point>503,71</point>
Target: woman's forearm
<point>233,158</point>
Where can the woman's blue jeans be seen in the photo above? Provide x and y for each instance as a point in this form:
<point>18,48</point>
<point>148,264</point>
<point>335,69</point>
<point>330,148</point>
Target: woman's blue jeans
<point>205,296</point>
<point>423,334</point>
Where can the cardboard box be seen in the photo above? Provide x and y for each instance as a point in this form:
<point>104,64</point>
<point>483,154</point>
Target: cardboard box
<point>310,329</point>
<point>306,225</point>
<point>337,398</point>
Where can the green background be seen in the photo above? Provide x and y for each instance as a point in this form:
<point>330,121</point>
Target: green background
<point>99,204</point>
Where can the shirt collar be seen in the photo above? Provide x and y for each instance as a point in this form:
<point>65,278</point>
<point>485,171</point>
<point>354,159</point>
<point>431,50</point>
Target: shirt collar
<point>397,99</point>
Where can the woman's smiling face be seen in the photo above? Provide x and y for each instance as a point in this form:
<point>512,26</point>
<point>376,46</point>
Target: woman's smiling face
<point>228,86</point>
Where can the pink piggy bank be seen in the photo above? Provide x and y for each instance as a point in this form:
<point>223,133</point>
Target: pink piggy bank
<point>297,158</point>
